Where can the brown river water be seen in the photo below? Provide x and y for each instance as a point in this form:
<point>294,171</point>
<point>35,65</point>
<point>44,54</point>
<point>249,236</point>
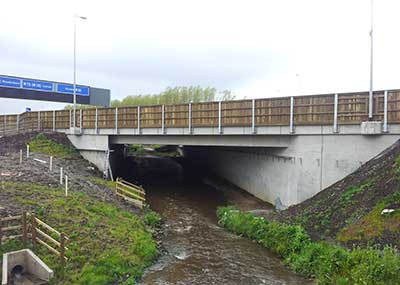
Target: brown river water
<point>196,249</point>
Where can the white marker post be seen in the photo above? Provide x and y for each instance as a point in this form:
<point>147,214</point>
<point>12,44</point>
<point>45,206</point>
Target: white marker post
<point>20,156</point>
<point>27,151</point>
<point>51,164</point>
<point>66,186</point>
<point>61,175</point>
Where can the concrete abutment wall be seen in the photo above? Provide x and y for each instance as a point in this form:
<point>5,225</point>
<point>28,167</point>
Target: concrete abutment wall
<point>310,164</point>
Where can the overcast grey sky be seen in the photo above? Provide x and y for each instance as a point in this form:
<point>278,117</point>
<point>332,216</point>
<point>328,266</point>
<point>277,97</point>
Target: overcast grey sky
<point>253,48</point>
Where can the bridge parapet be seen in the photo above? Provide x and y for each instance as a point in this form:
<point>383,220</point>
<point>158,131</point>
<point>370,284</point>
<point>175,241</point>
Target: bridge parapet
<point>284,114</point>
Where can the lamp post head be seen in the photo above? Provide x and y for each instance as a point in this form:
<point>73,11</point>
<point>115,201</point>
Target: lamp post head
<point>80,17</point>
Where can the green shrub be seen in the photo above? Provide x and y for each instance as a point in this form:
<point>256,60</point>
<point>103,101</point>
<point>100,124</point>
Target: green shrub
<point>152,219</point>
<point>329,264</point>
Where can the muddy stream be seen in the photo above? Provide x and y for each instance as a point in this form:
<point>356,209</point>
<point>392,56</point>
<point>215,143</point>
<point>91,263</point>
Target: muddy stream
<point>196,249</point>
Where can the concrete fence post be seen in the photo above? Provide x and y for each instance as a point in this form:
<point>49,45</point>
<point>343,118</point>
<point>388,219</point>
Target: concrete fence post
<point>27,151</point>
<point>4,124</point>
<point>220,117</point>
<point>54,121</point>
<point>190,118</point>
<point>51,164</point>
<point>253,116</point>
<point>138,119</point>
<point>61,175</point>
<point>66,185</point>
<point>96,122</point>
<point>162,119</point>
<point>291,119</point>
<point>335,113</point>
<point>20,156</point>
<point>70,119</point>
<point>385,112</point>
<point>116,120</point>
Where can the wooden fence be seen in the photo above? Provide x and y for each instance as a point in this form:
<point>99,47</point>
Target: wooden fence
<point>27,226</point>
<point>130,192</point>
<point>343,108</point>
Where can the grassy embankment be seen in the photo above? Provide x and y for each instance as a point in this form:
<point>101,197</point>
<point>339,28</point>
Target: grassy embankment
<point>108,245</point>
<point>328,263</point>
<point>42,144</point>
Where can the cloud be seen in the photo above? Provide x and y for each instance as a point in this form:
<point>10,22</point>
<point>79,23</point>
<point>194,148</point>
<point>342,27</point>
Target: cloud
<point>254,48</point>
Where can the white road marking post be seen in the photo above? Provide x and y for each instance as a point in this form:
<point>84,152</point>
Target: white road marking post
<point>20,156</point>
<point>61,175</point>
<point>51,164</point>
<point>66,186</point>
<point>27,151</point>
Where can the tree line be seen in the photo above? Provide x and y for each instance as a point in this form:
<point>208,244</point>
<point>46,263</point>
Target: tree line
<point>176,95</point>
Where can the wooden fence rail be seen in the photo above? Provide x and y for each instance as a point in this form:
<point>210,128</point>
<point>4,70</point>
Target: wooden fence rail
<point>130,192</point>
<point>38,231</point>
<point>343,108</point>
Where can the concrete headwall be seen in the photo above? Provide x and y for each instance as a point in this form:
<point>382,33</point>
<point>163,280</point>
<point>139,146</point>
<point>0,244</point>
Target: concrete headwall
<point>310,164</point>
<point>92,148</point>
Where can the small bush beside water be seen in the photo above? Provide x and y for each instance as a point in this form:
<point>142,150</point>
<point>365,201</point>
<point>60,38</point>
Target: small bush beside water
<point>328,263</point>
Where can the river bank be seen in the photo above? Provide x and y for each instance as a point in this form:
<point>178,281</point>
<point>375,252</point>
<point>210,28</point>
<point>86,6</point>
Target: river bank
<point>109,240</point>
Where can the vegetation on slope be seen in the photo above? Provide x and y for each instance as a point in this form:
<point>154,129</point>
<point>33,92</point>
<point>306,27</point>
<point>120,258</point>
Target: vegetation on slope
<point>329,264</point>
<point>42,144</point>
<point>107,245</point>
<point>350,211</point>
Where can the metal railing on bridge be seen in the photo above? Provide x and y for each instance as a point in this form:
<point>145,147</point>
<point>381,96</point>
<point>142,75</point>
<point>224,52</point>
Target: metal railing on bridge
<point>328,109</point>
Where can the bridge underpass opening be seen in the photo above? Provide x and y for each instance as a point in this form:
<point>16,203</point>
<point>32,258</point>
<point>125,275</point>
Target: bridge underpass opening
<point>196,248</point>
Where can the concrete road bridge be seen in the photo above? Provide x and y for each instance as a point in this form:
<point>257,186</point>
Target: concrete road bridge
<point>288,148</point>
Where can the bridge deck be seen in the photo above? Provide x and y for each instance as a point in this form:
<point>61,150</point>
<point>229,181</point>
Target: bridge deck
<point>241,116</point>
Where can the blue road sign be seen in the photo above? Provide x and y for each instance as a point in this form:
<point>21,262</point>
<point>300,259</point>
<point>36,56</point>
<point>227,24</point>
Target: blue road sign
<point>28,109</point>
<point>10,82</point>
<point>37,85</point>
<point>69,89</point>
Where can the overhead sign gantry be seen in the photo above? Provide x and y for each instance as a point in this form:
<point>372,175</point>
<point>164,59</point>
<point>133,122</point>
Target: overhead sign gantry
<point>36,89</point>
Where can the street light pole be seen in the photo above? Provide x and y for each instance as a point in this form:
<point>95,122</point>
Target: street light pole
<point>371,70</point>
<point>74,87</point>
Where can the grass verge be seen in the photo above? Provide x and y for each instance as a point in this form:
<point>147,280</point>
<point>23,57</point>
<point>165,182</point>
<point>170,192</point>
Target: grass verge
<point>107,245</point>
<point>327,263</point>
<point>42,144</point>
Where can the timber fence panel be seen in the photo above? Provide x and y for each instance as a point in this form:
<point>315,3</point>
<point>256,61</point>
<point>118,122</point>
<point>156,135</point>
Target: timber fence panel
<point>394,106</point>
<point>88,118</point>
<point>205,114</point>
<point>313,110</point>
<point>46,120</point>
<point>62,119</point>
<point>127,117</point>
<point>50,238</point>
<point>237,113</point>
<point>11,227</point>
<point>151,116</point>
<point>272,111</point>
<point>378,106</point>
<point>9,124</point>
<point>176,115</point>
<point>106,118</point>
<point>130,192</point>
<point>352,108</point>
